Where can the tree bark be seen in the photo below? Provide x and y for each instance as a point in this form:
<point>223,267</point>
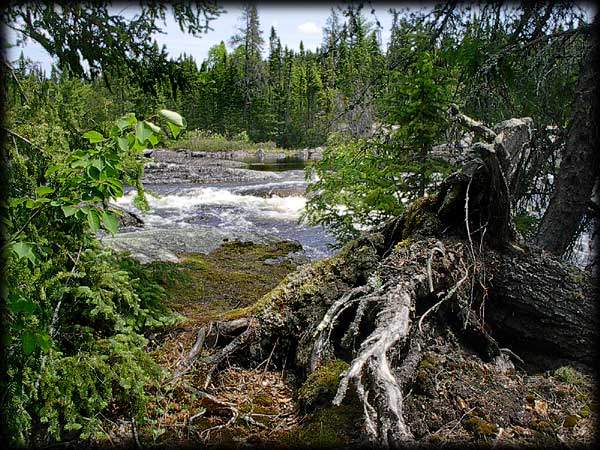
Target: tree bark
<point>543,309</point>
<point>579,168</point>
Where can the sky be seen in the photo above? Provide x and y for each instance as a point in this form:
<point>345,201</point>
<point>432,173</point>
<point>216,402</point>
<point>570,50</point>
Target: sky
<point>293,24</point>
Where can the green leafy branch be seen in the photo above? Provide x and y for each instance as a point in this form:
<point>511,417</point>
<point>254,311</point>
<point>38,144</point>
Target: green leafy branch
<point>83,183</point>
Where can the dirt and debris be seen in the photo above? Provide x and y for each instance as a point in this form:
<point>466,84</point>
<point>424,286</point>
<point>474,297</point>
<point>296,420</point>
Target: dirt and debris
<point>457,398</point>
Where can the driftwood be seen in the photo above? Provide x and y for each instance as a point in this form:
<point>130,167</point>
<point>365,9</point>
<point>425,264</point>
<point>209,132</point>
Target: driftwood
<point>451,260</point>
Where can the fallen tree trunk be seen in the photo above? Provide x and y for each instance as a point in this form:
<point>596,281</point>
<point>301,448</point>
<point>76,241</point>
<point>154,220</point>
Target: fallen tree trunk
<point>451,265</point>
<point>542,308</point>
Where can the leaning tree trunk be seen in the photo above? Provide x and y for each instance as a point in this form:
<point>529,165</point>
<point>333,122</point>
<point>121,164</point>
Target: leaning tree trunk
<point>580,165</point>
<point>543,309</point>
<point>452,261</point>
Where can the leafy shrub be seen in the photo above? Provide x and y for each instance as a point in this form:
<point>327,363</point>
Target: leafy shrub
<point>75,322</point>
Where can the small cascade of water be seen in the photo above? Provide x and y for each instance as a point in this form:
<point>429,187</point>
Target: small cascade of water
<point>199,218</point>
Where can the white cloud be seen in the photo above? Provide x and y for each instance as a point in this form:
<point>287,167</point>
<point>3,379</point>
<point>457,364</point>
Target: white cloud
<point>309,28</point>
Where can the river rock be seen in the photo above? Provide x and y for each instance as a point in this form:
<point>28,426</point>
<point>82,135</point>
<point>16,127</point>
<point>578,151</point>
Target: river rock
<point>186,167</point>
<point>127,218</point>
<point>164,244</point>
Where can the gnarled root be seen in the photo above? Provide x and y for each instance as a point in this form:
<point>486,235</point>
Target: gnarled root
<point>395,340</point>
<point>396,304</point>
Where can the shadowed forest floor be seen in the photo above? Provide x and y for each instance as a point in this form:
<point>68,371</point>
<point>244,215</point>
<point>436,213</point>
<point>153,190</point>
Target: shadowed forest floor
<point>457,398</point>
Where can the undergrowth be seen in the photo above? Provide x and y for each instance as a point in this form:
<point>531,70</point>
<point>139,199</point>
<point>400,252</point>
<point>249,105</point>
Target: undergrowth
<point>206,141</point>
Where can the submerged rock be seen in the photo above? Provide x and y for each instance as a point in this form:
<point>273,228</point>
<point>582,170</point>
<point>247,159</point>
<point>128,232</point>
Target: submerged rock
<point>164,244</point>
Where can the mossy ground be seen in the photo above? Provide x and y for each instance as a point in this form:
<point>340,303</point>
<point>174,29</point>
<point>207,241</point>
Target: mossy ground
<point>460,398</point>
<point>204,287</point>
<point>233,275</point>
<point>457,397</point>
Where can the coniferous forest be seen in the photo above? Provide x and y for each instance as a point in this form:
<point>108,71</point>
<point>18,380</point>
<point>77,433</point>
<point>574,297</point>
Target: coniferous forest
<point>456,181</point>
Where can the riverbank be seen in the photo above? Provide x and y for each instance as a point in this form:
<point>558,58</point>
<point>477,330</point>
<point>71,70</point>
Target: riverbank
<point>458,398</point>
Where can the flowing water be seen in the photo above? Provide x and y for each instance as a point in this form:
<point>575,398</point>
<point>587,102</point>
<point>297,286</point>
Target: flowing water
<point>187,218</point>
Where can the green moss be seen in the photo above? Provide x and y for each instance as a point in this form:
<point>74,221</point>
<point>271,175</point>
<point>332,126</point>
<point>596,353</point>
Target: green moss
<point>569,375</point>
<point>232,275</point>
<point>321,279</point>
<point>404,243</point>
<point>585,412</point>
<point>570,421</point>
<point>577,296</point>
<point>540,425</point>
<point>321,386</point>
<point>425,384</point>
<point>481,428</point>
<point>263,400</point>
<point>576,276</point>
<point>195,262</point>
<point>331,427</point>
<point>429,361</point>
<point>420,219</point>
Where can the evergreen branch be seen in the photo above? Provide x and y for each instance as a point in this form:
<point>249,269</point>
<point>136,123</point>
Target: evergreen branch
<point>27,222</point>
<point>14,75</point>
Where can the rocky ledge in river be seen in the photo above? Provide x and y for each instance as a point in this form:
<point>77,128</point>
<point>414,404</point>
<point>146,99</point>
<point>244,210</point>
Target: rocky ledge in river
<point>173,167</point>
<point>186,166</point>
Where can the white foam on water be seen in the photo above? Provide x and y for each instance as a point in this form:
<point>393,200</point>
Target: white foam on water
<point>232,208</point>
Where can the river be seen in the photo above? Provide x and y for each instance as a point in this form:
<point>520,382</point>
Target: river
<point>198,218</point>
<point>263,205</point>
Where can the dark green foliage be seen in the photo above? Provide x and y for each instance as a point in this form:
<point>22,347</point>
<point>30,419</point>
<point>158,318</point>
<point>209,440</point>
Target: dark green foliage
<point>75,323</point>
<point>362,182</point>
<point>92,355</point>
<point>108,42</point>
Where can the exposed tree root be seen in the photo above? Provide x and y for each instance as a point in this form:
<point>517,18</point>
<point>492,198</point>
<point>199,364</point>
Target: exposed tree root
<point>418,288</point>
<point>383,299</point>
<point>384,364</point>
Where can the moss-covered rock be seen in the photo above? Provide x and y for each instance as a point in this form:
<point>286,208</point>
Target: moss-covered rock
<point>321,386</point>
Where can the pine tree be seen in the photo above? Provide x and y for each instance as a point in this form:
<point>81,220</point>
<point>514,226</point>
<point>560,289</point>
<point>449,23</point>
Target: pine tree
<point>250,41</point>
